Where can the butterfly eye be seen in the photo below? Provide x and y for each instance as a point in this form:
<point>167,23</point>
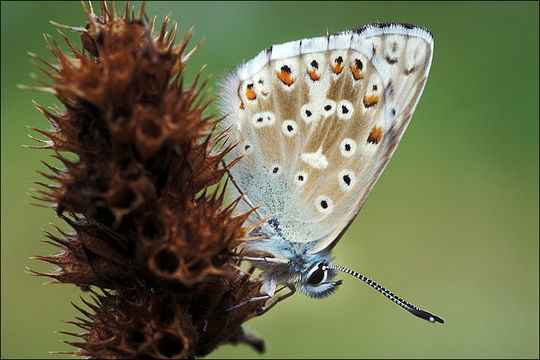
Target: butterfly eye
<point>317,275</point>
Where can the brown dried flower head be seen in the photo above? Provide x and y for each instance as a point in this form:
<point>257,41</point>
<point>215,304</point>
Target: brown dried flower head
<point>148,232</point>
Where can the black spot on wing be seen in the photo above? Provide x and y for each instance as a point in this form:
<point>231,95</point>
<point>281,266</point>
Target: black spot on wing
<point>409,71</point>
<point>389,90</point>
<point>390,60</point>
<point>286,68</point>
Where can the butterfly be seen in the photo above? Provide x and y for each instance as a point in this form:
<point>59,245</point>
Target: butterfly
<point>315,123</point>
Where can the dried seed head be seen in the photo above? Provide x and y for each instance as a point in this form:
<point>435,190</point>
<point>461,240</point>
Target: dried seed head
<point>147,231</point>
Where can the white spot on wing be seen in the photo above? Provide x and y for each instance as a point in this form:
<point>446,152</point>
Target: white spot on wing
<point>300,178</point>
<point>329,107</point>
<point>289,127</point>
<point>345,109</point>
<point>308,113</point>
<point>347,147</point>
<point>347,179</point>
<point>324,204</point>
<point>262,84</point>
<point>275,170</point>
<point>263,119</point>
<point>315,159</point>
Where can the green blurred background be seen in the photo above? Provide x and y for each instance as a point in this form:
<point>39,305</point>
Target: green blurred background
<point>452,225</point>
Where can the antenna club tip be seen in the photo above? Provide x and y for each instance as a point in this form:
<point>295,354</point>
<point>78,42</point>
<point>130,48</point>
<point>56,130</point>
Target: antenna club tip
<point>426,316</point>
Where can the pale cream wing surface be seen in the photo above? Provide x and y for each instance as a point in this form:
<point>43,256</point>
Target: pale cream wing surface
<point>317,121</point>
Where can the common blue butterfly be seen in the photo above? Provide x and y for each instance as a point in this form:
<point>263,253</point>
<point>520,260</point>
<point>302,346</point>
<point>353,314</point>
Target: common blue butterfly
<point>315,122</point>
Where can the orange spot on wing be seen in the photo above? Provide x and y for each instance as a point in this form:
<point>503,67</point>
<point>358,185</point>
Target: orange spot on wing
<point>337,68</point>
<point>250,94</point>
<point>371,100</point>
<point>375,135</point>
<point>241,104</point>
<point>313,75</point>
<point>356,73</point>
<point>285,77</point>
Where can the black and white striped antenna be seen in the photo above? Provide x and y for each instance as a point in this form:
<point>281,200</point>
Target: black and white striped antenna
<point>399,301</point>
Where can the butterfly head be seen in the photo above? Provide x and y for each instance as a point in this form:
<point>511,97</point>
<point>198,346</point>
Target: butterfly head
<point>317,280</point>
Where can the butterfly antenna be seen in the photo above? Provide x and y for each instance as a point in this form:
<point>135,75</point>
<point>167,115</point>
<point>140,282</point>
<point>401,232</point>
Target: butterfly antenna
<point>404,304</point>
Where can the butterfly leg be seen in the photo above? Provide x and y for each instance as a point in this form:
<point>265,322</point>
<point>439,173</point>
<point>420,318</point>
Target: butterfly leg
<point>258,298</point>
<point>264,259</point>
<point>281,298</point>
<point>270,291</point>
<point>243,195</point>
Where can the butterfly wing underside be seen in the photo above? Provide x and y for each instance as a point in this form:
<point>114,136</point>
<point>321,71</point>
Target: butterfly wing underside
<point>317,121</point>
